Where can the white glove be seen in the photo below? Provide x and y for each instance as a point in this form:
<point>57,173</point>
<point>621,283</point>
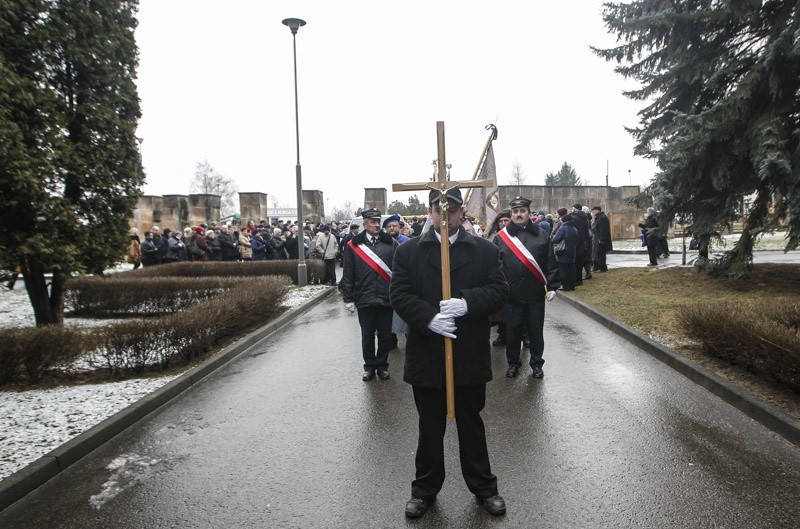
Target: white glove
<point>455,307</point>
<point>350,306</point>
<point>444,325</point>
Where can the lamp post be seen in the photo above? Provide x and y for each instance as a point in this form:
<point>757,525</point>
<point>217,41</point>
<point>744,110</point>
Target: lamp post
<point>302,279</point>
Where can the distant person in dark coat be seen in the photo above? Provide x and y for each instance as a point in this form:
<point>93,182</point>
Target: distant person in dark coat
<point>650,232</point>
<point>478,289</point>
<point>583,252</point>
<point>601,239</point>
<point>566,259</point>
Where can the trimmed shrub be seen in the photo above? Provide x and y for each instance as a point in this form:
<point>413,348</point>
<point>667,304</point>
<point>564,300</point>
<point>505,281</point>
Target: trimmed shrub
<point>30,352</point>
<point>761,336</point>
<point>315,269</point>
<point>129,295</point>
<point>176,339</point>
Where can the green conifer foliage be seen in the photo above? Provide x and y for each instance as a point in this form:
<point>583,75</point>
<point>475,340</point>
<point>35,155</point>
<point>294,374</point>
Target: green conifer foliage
<point>70,171</point>
<point>721,86</point>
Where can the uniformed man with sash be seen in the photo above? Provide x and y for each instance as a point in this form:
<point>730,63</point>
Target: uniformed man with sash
<point>530,268</point>
<point>367,272</point>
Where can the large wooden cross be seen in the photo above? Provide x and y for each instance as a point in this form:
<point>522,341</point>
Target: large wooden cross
<point>442,184</point>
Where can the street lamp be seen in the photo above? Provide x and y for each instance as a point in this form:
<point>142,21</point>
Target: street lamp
<point>302,279</point>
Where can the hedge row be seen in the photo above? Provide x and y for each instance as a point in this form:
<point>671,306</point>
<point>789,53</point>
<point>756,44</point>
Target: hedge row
<point>176,339</point>
<point>30,352</point>
<point>118,295</point>
<point>762,336</point>
<point>315,270</point>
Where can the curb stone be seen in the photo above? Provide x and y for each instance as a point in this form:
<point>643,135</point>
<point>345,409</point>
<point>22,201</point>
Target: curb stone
<point>36,474</point>
<point>759,410</point>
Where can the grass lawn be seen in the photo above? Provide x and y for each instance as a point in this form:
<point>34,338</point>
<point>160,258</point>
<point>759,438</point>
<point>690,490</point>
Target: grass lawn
<point>649,299</point>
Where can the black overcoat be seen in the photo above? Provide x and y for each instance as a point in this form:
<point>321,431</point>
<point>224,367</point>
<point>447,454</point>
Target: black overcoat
<point>416,291</point>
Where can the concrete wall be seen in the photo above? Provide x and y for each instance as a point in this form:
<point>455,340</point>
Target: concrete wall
<point>375,197</point>
<point>253,206</point>
<point>174,211</point>
<point>313,205</point>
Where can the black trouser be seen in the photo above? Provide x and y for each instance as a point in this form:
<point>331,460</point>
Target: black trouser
<point>531,317</point>
<point>566,272</point>
<point>472,450</point>
<point>372,320</point>
<point>578,270</point>
<point>330,271</point>
<point>600,260</point>
<point>651,253</point>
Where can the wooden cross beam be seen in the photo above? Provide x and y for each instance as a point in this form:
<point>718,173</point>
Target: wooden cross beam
<point>442,184</point>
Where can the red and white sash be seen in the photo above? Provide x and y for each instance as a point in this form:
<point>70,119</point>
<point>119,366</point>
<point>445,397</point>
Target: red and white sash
<point>524,255</point>
<point>372,259</point>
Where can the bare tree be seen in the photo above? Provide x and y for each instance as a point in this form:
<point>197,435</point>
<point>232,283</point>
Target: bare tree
<point>209,181</point>
<point>518,176</point>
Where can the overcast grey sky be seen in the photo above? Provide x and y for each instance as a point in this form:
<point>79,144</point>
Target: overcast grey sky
<point>216,83</point>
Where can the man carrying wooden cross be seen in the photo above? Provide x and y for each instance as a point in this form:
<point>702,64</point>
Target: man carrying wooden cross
<point>478,289</point>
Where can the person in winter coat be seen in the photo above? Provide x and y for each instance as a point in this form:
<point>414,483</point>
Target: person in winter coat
<point>290,244</point>
<point>650,232</point>
<point>583,252</point>
<point>198,249</point>
<point>566,259</point>
<point>228,244</point>
<point>213,244</point>
<point>601,239</point>
<point>258,246</point>
<point>326,246</point>
<point>148,250</point>
<point>134,249</point>
<point>160,243</point>
<point>245,252</point>
<point>176,248</point>
<point>530,268</point>
<point>478,289</point>
<point>364,286</point>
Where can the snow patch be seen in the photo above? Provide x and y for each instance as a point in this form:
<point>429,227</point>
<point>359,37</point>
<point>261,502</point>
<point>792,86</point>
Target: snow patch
<point>128,470</point>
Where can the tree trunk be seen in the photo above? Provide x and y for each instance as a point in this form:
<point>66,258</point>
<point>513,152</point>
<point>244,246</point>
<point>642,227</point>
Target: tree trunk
<point>48,304</point>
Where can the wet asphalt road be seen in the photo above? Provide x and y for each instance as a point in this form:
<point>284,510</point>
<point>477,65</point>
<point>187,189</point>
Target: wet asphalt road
<point>287,436</point>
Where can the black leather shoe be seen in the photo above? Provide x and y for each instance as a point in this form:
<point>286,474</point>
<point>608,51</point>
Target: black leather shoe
<point>587,276</point>
<point>537,372</point>
<point>526,342</point>
<point>512,372</point>
<point>368,375</point>
<point>494,505</point>
<point>383,374</point>
<point>416,507</point>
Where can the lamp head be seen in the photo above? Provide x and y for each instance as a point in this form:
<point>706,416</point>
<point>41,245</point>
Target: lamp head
<point>294,24</point>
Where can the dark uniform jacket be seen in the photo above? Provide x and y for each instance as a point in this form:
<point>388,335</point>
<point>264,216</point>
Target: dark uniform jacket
<point>650,230</point>
<point>476,277</point>
<point>360,284</point>
<point>524,287</point>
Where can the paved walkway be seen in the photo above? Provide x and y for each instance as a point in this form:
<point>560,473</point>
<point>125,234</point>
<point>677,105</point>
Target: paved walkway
<point>288,436</point>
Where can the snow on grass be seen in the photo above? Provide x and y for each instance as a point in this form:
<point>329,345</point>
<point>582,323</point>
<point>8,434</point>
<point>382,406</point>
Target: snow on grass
<point>34,422</point>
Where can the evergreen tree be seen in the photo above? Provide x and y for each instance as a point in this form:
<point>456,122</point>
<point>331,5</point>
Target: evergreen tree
<point>70,172</point>
<point>720,81</point>
<point>566,176</point>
